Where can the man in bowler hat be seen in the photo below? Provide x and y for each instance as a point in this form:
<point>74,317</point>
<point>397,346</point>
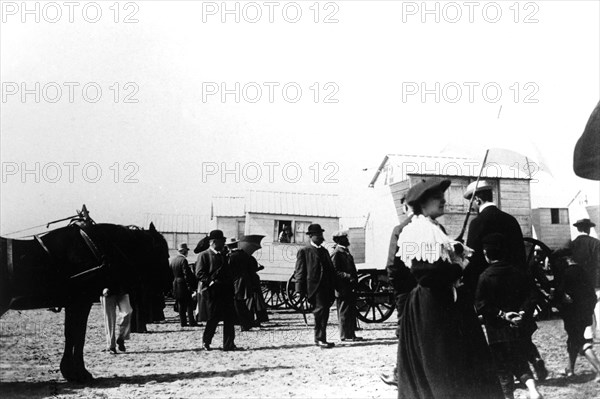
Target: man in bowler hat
<point>346,278</point>
<point>215,274</point>
<point>586,252</point>
<point>315,278</point>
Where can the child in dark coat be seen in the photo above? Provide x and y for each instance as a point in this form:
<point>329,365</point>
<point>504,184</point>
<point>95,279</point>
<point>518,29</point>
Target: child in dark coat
<point>577,298</point>
<point>506,299</point>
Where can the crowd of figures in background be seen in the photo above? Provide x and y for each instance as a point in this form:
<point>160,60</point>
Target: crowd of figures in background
<point>445,291</point>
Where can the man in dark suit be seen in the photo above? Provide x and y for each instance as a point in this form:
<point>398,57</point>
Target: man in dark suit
<point>315,278</point>
<point>346,280</point>
<point>216,276</point>
<point>184,283</point>
<point>586,253</point>
<point>490,220</point>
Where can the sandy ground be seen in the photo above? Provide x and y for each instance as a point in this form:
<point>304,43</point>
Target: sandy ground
<point>280,361</point>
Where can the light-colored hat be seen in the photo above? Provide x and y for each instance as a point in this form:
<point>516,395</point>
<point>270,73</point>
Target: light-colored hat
<point>340,233</point>
<point>481,186</point>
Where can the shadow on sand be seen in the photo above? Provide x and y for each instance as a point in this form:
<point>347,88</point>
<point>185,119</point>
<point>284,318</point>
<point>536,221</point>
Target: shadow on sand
<point>45,389</point>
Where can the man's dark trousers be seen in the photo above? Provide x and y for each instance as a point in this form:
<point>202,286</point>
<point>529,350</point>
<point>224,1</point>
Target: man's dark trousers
<point>220,307</point>
<point>322,302</point>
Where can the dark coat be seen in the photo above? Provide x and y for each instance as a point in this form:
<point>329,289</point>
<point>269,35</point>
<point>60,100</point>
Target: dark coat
<point>586,252</point>
<point>492,220</point>
<point>241,266</point>
<point>216,276</point>
<point>575,282</point>
<point>399,276</point>
<point>314,271</point>
<point>442,352</point>
<point>346,276</point>
<point>503,287</point>
<point>184,281</point>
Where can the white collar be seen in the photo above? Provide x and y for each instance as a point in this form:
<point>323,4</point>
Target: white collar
<point>487,204</point>
<point>315,245</point>
<point>214,250</point>
<point>581,233</point>
<point>341,246</point>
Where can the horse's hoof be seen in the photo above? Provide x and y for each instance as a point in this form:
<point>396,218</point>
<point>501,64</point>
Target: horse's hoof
<point>67,372</point>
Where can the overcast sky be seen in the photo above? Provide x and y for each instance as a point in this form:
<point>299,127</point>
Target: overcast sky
<point>161,133</point>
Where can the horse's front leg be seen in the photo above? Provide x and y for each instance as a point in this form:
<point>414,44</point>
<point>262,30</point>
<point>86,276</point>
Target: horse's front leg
<point>72,365</point>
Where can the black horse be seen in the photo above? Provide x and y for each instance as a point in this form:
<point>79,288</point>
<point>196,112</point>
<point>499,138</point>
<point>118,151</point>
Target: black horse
<point>70,266</point>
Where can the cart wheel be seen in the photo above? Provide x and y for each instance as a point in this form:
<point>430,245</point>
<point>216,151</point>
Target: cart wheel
<point>293,298</point>
<point>375,299</point>
<point>537,257</point>
<point>274,293</point>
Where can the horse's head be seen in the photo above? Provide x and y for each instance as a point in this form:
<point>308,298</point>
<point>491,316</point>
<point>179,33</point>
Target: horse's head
<point>156,258</point>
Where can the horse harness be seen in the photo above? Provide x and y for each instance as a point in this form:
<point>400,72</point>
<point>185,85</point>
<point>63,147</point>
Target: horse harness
<point>90,245</point>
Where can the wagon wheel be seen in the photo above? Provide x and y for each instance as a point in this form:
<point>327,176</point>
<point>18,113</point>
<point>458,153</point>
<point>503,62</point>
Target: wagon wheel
<point>274,293</point>
<point>294,300</point>
<point>537,257</point>
<point>374,298</point>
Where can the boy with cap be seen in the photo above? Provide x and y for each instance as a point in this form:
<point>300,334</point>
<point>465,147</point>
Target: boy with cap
<point>346,278</point>
<point>315,278</point>
<point>506,300</point>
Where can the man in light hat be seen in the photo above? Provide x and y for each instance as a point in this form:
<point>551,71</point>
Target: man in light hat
<point>346,277</point>
<point>216,276</point>
<point>184,283</point>
<point>490,219</point>
<point>315,278</point>
<point>586,252</point>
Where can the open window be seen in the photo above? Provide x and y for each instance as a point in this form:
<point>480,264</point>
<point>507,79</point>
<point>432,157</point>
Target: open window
<point>284,231</point>
<point>291,231</point>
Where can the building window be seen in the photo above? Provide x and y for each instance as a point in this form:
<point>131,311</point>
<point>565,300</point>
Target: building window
<point>241,228</point>
<point>283,231</point>
<point>554,216</point>
<point>300,232</point>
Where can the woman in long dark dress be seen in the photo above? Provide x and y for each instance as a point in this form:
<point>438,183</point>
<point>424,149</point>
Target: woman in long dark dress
<point>442,352</point>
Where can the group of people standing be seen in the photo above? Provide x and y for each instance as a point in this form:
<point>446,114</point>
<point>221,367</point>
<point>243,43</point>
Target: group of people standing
<point>442,286</point>
<point>224,283</point>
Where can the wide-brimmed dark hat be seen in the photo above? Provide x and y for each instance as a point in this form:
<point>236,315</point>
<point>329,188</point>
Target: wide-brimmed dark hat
<point>425,187</point>
<point>314,229</point>
<point>216,235</point>
<point>584,222</point>
<point>183,247</point>
<point>251,242</point>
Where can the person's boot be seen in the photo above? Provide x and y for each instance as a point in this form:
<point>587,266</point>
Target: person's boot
<point>540,369</point>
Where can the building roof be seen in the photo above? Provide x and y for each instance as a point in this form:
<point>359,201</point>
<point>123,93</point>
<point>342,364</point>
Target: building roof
<point>228,206</point>
<point>397,167</point>
<point>278,203</point>
<point>175,223</point>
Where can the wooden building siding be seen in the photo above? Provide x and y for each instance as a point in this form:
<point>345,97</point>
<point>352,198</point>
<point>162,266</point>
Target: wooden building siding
<point>554,236</point>
<point>356,235</point>
<point>511,195</point>
<point>279,259</point>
